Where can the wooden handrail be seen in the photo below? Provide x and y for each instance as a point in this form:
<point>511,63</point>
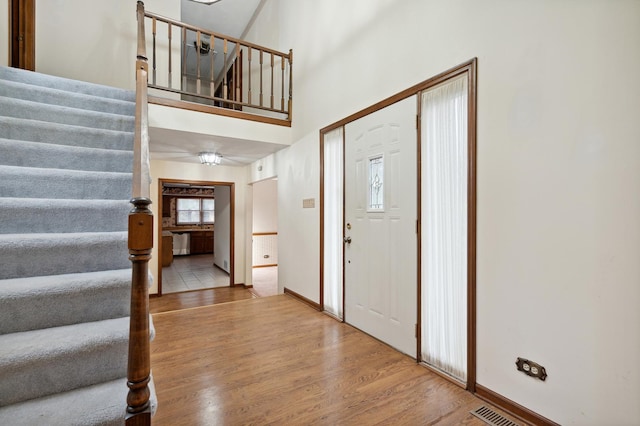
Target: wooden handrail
<point>214,34</point>
<point>140,244</point>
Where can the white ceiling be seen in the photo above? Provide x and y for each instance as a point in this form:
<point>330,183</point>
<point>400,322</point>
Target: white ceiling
<point>226,17</point>
<point>175,145</point>
<point>229,17</point>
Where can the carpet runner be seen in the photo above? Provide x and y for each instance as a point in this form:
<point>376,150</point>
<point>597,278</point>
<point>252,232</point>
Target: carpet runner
<point>66,154</point>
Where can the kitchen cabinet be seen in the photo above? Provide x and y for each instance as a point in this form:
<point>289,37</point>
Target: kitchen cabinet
<point>201,242</point>
<point>167,249</point>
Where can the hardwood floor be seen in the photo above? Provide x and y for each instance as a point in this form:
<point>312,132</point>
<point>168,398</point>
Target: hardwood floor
<point>197,298</point>
<point>275,360</point>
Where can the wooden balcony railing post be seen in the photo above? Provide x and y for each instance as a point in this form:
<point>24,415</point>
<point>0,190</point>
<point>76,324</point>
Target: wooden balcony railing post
<point>184,58</point>
<point>140,244</point>
<point>261,60</point>
<point>153,49</point>
<point>238,78</point>
<point>290,108</point>
<point>198,47</point>
<point>271,99</point>
<point>282,83</point>
<point>225,88</point>
<point>249,72</point>
<point>169,36</point>
<point>212,84</point>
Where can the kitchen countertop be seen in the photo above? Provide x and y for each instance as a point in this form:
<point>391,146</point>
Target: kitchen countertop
<point>177,230</point>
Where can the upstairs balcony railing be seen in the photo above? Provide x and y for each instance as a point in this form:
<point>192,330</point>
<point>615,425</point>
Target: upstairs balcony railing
<point>206,68</point>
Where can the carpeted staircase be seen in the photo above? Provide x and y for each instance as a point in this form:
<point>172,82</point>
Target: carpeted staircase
<point>65,181</point>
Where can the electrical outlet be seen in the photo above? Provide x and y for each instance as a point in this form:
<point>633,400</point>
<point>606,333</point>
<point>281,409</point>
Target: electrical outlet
<point>531,368</point>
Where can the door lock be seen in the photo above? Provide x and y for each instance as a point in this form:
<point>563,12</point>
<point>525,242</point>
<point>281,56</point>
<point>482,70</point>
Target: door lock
<point>347,240</point>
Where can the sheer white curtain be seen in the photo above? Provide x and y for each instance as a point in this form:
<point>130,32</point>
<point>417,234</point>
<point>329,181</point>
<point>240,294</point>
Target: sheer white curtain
<point>333,211</point>
<point>444,227</point>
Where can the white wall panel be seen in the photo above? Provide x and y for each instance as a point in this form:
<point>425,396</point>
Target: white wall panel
<point>558,173</point>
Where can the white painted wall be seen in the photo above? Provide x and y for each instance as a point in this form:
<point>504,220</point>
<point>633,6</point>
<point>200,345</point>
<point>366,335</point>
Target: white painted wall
<point>558,276</point>
<point>265,206</point>
<point>222,236</point>
<point>265,168</point>
<point>94,41</point>
<point>4,31</point>
<point>298,172</point>
<point>163,117</point>
<point>198,172</point>
<point>248,231</point>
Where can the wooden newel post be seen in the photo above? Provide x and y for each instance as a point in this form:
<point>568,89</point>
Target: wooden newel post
<point>139,368</point>
<point>140,244</point>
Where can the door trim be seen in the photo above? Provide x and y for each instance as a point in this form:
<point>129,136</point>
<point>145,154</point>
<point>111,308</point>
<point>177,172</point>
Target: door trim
<point>232,262</point>
<point>470,69</point>
<point>22,34</point>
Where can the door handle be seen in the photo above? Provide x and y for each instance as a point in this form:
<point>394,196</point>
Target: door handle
<point>347,240</point>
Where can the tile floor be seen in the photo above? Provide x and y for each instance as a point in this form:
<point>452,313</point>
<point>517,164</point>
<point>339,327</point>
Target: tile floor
<point>192,273</point>
<point>197,272</point>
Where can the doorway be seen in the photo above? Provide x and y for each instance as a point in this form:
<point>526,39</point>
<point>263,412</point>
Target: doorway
<point>265,238</point>
<point>195,235</point>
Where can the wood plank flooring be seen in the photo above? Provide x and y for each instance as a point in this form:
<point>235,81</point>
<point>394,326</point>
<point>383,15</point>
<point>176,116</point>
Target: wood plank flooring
<point>275,360</point>
<point>196,298</point>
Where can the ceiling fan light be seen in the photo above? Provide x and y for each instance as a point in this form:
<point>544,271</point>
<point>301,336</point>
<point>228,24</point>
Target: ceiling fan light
<point>210,158</point>
<point>207,2</point>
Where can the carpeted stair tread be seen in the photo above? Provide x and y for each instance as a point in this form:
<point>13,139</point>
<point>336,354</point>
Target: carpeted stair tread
<point>43,215</point>
<point>65,274</point>
<point>58,300</point>
<point>31,182</point>
<point>31,255</point>
<point>64,134</point>
<point>47,95</point>
<point>103,404</point>
<point>19,108</point>
<point>45,155</point>
<point>41,362</point>
<point>44,80</point>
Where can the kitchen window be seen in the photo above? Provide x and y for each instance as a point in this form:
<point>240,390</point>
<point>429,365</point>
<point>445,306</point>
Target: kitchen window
<point>195,211</point>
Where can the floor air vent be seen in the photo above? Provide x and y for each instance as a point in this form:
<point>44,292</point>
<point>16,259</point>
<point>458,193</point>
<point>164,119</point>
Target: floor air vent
<point>491,417</point>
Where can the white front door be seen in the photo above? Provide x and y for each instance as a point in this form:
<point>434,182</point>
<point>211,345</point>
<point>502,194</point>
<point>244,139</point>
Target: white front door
<point>380,225</point>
